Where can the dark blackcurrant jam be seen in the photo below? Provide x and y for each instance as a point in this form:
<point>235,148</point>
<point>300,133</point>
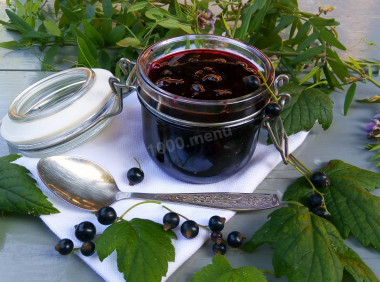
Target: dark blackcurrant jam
<point>205,75</point>
<point>202,105</point>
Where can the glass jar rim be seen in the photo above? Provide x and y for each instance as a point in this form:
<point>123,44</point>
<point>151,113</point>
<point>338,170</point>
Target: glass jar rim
<point>269,74</point>
<point>40,100</point>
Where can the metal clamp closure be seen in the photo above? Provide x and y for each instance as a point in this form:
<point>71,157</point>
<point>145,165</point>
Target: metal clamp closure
<point>275,125</point>
<point>128,67</point>
<point>119,89</point>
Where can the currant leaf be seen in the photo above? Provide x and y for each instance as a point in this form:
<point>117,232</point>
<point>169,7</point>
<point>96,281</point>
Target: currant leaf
<point>18,191</point>
<point>308,247</point>
<point>221,271</point>
<point>305,108</point>
<point>353,209</point>
<point>143,248</point>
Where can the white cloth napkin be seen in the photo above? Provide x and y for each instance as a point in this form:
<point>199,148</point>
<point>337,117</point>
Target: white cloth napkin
<point>114,149</point>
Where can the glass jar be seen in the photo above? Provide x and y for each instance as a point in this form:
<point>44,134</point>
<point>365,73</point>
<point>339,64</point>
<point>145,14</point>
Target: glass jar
<point>60,112</point>
<point>200,141</point>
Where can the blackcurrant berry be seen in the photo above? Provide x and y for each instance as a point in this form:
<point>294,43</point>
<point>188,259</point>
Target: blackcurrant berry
<point>135,176</point>
<point>85,231</point>
<point>189,229</point>
<point>170,220</point>
<point>106,215</point>
<point>321,211</point>
<point>235,239</point>
<point>219,249</point>
<point>88,249</point>
<point>315,200</point>
<point>273,110</point>
<point>319,179</point>
<point>216,223</point>
<point>252,82</point>
<point>217,237</point>
<point>64,246</point>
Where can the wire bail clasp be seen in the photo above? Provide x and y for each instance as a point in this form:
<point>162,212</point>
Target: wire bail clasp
<point>275,125</point>
<point>122,90</point>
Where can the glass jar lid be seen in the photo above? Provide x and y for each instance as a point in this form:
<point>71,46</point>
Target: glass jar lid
<point>60,112</point>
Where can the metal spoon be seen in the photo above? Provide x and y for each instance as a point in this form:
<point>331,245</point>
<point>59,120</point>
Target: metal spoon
<point>87,185</point>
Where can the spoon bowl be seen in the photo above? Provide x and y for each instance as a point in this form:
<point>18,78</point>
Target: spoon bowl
<point>89,186</point>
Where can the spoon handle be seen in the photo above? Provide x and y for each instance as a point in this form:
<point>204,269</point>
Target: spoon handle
<point>229,201</point>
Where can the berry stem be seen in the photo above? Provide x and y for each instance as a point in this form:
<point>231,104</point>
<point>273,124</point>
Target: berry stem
<point>138,163</point>
<point>296,163</point>
<point>300,163</point>
<point>203,226</point>
<point>311,183</point>
<point>266,85</point>
<point>144,202</point>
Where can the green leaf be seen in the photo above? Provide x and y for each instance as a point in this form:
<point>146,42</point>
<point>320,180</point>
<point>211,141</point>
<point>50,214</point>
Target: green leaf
<point>309,53</point>
<point>20,9</point>
<point>115,35</point>
<point>354,210</point>
<point>300,191</point>
<point>143,249</point>
<point>246,18</point>
<point>331,39</point>
<point>49,57</point>
<point>93,34</point>
<point>349,97</point>
<point>221,271</point>
<point>35,35</point>
<point>172,23</point>
<point>354,265</point>
<point>129,42</point>
<point>90,12</point>
<point>155,14</point>
<point>337,65</point>
<point>70,14</point>
<point>85,57</point>
<point>352,207</point>
<point>373,99</point>
<point>52,28</point>
<point>18,191</point>
<point>269,41</point>
<point>18,22</point>
<point>308,41</point>
<point>13,45</point>
<point>104,60</point>
<point>107,8</point>
<point>284,22</point>
<point>303,250</point>
<point>319,22</point>
<point>78,33</point>
<point>301,34</point>
<point>308,247</point>
<point>331,79</point>
<point>309,75</point>
<point>356,64</point>
<point>305,108</point>
<point>178,10</point>
<point>137,6</point>
<point>258,18</point>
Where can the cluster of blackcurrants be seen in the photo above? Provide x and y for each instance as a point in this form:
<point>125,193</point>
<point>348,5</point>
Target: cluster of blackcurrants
<point>234,239</point>
<point>319,180</point>
<point>85,232</point>
<point>190,230</point>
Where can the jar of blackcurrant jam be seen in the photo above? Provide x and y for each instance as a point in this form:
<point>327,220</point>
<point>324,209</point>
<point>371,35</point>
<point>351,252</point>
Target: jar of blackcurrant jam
<point>202,101</point>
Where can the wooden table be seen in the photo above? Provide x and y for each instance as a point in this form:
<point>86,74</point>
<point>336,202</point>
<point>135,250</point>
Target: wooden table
<point>26,244</point>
